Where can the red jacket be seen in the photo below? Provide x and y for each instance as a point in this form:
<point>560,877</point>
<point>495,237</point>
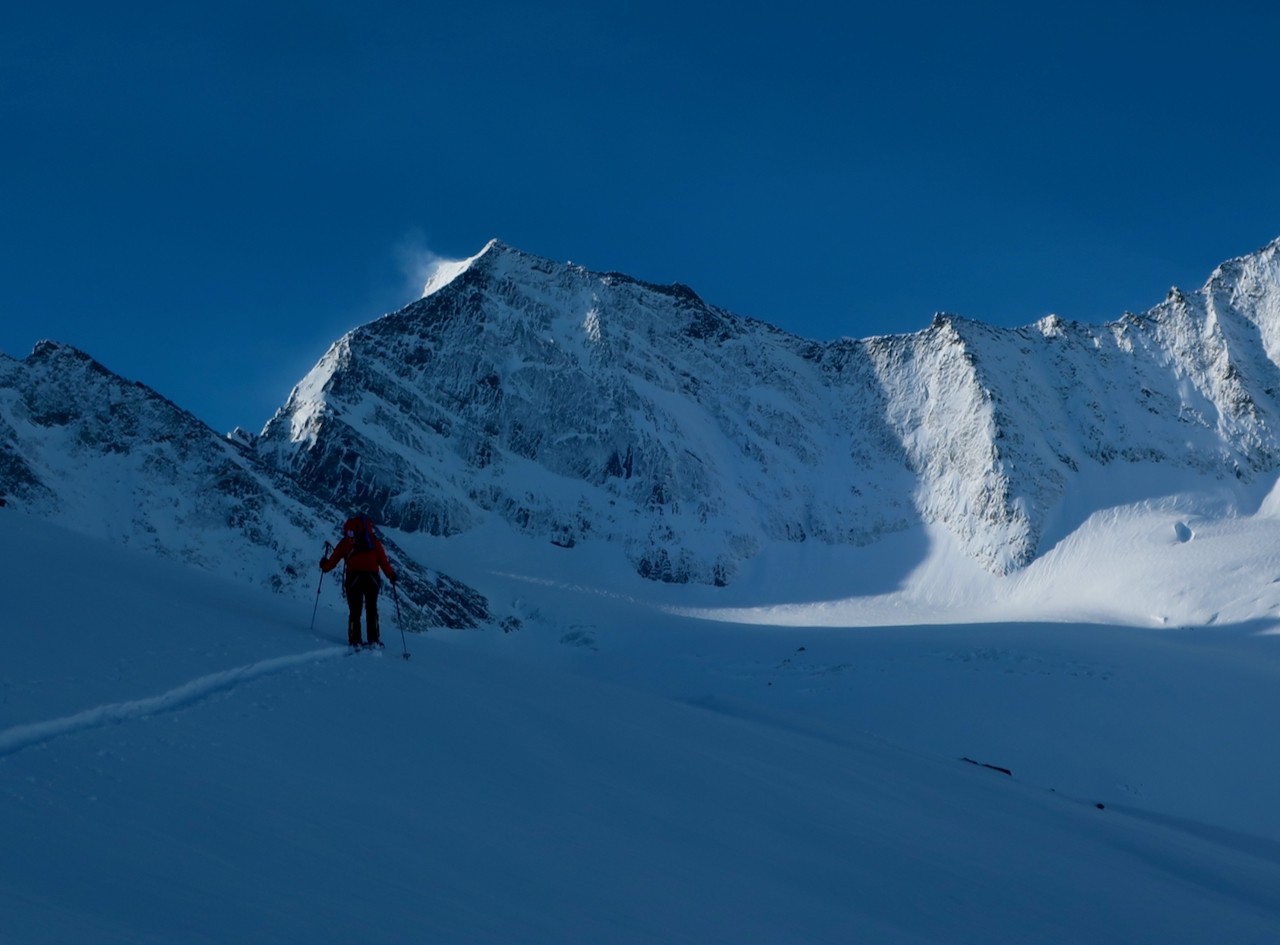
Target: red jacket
<point>367,561</point>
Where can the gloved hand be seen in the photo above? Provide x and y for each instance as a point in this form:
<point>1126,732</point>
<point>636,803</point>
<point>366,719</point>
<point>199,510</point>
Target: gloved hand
<point>322,561</point>
<point>392,579</point>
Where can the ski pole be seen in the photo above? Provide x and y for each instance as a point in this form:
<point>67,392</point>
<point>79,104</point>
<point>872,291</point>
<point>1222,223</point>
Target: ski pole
<point>399,622</point>
<point>318,587</point>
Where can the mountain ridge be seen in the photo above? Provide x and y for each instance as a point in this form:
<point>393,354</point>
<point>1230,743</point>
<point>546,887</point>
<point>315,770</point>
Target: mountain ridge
<point>112,458</point>
<point>581,407</point>
<point>842,441</point>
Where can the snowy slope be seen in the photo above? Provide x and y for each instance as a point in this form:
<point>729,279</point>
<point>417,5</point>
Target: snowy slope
<point>1101,669</point>
<point>194,765</point>
<point>591,410</point>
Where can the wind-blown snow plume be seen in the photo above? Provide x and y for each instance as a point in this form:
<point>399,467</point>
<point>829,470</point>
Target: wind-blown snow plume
<point>426,270</point>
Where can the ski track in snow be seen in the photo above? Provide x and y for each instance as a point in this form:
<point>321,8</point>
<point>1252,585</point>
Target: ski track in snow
<point>19,737</point>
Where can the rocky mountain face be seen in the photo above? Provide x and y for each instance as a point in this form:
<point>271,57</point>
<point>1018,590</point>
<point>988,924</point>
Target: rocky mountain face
<point>110,457</point>
<point>585,407</point>
<point>594,408</point>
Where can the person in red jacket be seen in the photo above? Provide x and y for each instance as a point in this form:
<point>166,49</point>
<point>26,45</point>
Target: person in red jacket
<point>364,555</point>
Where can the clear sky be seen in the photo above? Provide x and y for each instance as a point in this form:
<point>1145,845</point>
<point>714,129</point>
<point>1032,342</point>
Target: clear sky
<point>204,196</point>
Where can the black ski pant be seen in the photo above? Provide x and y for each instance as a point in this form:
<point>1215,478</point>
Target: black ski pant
<point>362,593</point>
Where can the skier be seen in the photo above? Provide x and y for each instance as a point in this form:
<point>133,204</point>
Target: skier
<point>364,555</point>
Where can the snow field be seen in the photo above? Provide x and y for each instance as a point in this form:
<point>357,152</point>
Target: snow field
<point>612,773</point>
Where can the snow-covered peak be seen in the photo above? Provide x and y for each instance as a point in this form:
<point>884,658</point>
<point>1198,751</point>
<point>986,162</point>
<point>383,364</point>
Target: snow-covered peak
<point>307,399</point>
<point>1250,283</point>
<point>1239,306</point>
<point>447,270</point>
<point>1051,326</point>
<point>1264,259</point>
<point>55,352</point>
<point>593,407</point>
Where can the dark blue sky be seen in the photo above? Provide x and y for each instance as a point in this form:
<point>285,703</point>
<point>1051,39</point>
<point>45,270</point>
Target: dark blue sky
<point>205,196</point>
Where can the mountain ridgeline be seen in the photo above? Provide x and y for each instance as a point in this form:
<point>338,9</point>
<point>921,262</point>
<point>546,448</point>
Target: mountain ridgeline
<point>583,407</point>
<point>82,446</point>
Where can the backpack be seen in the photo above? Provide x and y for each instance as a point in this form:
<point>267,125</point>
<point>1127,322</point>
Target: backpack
<point>360,529</point>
